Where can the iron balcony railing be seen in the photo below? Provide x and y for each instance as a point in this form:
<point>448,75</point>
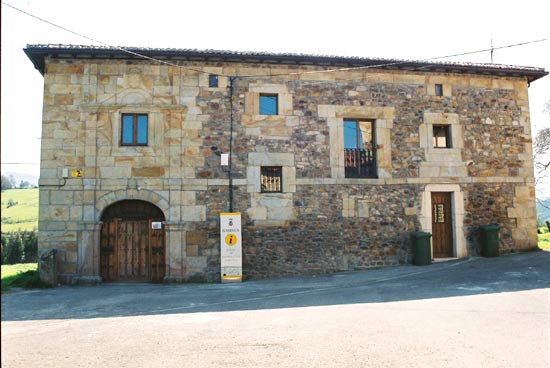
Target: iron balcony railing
<point>360,163</point>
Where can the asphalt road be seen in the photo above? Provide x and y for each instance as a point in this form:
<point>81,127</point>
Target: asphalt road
<point>468,313</point>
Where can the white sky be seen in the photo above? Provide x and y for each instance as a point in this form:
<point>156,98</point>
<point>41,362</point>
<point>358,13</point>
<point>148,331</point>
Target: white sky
<point>390,29</point>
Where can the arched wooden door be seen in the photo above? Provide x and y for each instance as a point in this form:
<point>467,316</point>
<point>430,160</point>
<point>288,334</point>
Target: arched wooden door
<point>133,241</point>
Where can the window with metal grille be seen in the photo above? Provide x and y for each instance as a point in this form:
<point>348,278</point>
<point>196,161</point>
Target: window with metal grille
<point>271,179</point>
<point>134,130</point>
<point>442,136</point>
<point>359,149</point>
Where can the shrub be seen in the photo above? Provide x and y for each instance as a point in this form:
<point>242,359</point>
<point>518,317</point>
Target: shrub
<point>19,247</point>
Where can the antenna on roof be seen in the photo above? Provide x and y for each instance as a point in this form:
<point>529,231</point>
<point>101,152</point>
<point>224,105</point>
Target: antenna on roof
<point>492,49</point>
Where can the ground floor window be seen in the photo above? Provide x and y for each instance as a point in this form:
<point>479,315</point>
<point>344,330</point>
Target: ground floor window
<point>271,179</point>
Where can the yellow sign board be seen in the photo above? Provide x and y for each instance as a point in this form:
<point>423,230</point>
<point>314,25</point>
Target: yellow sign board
<point>77,173</point>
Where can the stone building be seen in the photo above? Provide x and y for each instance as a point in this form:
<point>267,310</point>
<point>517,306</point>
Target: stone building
<point>335,161</point>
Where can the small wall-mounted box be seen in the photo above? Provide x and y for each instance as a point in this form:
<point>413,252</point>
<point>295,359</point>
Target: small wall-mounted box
<point>224,159</point>
<point>65,173</point>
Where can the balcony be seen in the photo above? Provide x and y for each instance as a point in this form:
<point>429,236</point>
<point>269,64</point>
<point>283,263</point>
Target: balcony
<point>360,163</point>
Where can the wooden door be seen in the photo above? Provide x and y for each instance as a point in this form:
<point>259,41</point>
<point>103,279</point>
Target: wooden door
<point>156,255</point>
<point>131,251</point>
<point>442,225</point>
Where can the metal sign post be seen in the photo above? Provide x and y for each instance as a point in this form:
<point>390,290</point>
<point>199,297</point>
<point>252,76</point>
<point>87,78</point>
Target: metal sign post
<point>231,247</point>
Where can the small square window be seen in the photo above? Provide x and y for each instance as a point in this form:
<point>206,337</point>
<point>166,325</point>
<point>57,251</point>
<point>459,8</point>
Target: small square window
<point>134,129</point>
<point>271,179</point>
<point>212,81</point>
<point>269,104</point>
<point>439,90</point>
<point>442,136</point>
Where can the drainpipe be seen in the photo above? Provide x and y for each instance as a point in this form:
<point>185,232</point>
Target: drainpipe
<point>231,80</point>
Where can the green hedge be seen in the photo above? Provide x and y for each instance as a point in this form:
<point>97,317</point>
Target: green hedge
<point>20,247</point>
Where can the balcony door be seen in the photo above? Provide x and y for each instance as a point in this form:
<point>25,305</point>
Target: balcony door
<point>359,149</point>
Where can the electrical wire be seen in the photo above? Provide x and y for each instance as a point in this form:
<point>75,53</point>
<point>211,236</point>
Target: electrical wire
<point>103,43</point>
<point>386,64</point>
<point>19,163</point>
<point>397,62</point>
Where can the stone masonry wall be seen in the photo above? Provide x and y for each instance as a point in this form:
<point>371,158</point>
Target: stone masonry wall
<point>323,222</point>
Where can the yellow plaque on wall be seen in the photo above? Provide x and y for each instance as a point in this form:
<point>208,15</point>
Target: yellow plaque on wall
<point>77,173</point>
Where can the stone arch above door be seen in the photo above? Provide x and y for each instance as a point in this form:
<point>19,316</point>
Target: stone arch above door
<point>132,242</point>
<point>133,194</point>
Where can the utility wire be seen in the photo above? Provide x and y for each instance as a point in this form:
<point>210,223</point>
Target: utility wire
<point>103,43</point>
<point>395,63</point>
<point>20,163</point>
<point>277,74</point>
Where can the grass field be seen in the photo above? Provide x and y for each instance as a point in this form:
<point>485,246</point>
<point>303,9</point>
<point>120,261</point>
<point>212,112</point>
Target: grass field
<point>21,275</point>
<point>544,241</point>
<point>24,214</point>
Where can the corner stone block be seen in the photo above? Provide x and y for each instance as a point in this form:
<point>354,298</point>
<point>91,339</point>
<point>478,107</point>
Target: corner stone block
<point>196,237</point>
<point>193,213</point>
<point>362,209</point>
<point>326,111</point>
<point>257,213</point>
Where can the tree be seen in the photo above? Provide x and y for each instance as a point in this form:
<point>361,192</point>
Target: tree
<point>30,246</point>
<point>541,153</point>
<point>8,182</point>
<point>24,184</point>
<point>541,147</point>
<point>14,249</point>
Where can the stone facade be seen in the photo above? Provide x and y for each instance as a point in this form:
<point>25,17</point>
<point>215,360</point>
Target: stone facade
<point>322,221</point>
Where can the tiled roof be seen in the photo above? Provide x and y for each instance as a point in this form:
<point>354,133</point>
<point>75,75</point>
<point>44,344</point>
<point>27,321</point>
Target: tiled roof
<point>37,53</point>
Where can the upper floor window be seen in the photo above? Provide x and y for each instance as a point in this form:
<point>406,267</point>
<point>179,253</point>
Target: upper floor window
<point>271,179</point>
<point>134,130</point>
<point>269,104</point>
<point>439,90</point>
<point>442,136</point>
<point>212,81</point>
<point>359,149</point>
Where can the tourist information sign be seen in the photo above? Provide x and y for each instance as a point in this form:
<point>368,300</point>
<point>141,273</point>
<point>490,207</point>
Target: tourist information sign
<point>231,247</point>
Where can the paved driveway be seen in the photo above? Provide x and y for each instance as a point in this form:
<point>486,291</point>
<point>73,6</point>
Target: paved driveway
<point>468,313</point>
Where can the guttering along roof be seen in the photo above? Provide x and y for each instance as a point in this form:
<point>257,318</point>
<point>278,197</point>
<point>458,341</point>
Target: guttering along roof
<point>38,53</point>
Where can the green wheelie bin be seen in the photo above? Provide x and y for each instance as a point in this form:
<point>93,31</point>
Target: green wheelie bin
<point>489,240</point>
<point>422,249</point>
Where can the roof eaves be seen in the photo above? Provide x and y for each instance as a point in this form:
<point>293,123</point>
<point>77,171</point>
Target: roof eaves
<point>37,53</point>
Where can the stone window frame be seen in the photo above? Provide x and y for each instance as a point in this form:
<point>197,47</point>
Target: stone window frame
<point>271,209</point>
<point>155,133</point>
<point>441,162</point>
<point>445,119</point>
<point>257,160</point>
<point>252,103</point>
<point>383,123</point>
<point>446,88</point>
<point>204,79</point>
